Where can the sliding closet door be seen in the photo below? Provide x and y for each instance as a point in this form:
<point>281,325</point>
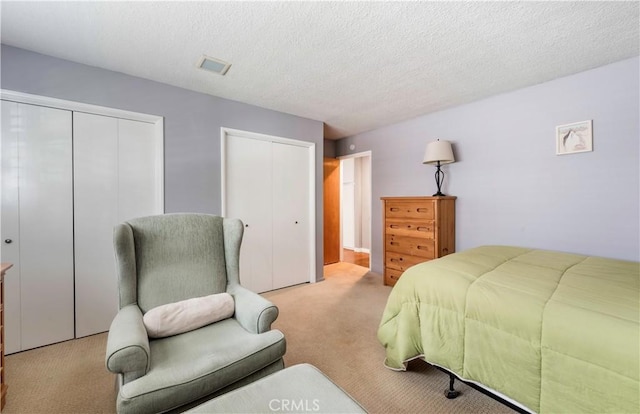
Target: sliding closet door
<point>291,219</point>
<point>39,294</point>
<point>140,172</point>
<point>248,197</point>
<point>268,186</point>
<point>116,179</point>
<point>96,208</point>
<point>10,224</point>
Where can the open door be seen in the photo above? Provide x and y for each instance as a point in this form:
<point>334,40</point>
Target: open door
<point>331,210</point>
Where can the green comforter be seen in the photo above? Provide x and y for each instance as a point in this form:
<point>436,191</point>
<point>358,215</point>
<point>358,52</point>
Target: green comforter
<point>556,332</point>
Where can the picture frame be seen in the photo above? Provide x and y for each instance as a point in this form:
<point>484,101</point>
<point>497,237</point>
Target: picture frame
<point>574,138</point>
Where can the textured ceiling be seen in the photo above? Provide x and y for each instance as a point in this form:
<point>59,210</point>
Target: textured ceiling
<point>356,66</point>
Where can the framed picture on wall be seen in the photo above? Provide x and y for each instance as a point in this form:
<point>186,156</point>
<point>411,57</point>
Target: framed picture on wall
<point>574,138</point>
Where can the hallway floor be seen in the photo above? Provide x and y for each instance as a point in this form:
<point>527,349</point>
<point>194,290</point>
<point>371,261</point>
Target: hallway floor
<point>360,259</point>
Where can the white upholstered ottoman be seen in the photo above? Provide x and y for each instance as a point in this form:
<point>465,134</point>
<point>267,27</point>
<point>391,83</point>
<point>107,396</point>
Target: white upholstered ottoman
<point>298,389</point>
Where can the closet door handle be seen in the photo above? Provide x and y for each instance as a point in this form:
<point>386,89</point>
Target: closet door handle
<point>8,241</point>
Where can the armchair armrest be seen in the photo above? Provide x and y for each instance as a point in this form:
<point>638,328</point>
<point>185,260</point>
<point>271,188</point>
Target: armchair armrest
<point>128,344</point>
<point>253,312</point>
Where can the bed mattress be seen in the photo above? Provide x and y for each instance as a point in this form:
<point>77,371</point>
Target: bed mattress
<point>556,332</point>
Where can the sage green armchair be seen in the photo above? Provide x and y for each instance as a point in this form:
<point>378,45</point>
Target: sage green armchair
<point>170,258</point>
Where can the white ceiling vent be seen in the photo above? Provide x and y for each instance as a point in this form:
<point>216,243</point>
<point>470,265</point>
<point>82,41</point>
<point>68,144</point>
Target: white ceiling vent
<point>213,65</point>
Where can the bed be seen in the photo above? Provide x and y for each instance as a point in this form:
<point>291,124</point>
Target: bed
<point>553,332</point>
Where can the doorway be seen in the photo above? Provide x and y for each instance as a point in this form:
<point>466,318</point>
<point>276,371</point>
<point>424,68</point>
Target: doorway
<point>355,209</point>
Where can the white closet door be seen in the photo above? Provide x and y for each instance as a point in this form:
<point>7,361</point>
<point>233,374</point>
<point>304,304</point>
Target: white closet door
<point>116,179</point>
<point>45,228</point>
<point>140,177</point>
<point>291,218</point>
<point>248,197</point>
<point>268,184</point>
<point>10,225</point>
<point>96,207</point>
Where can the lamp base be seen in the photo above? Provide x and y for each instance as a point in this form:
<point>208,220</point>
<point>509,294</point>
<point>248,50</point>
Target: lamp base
<point>439,179</point>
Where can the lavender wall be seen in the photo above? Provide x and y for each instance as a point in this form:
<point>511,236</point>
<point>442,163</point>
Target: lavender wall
<point>511,187</point>
<point>192,123</point>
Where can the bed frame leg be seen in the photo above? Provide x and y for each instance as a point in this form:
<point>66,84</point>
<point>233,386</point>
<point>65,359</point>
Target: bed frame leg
<point>451,393</point>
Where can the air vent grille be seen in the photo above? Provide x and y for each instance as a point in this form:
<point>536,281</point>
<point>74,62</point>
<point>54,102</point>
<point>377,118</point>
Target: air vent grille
<point>213,65</point>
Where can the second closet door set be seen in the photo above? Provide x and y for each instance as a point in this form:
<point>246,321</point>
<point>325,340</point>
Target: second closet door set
<point>269,186</point>
<point>67,178</point>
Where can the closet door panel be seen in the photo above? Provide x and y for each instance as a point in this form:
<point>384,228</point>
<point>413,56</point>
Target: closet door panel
<point>139,176</point>
<point>46,225</point>
<point>248,197</point>
<point>68,178</point>
<point>9,225</point>
<point>291,217</point>
<point>96,207</point>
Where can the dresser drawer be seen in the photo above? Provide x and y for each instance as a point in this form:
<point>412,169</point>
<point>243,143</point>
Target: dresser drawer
<point>410,228</point>
<point>391,276</point>
<point>402,262</point>
<point>410,209</point>
<point>413,246</point>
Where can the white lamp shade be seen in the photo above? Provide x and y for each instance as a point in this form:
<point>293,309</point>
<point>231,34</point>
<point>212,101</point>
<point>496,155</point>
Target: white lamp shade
<point>438,151</point>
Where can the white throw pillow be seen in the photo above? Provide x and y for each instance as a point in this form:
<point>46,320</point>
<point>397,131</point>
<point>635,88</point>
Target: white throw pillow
<point>187,315</point>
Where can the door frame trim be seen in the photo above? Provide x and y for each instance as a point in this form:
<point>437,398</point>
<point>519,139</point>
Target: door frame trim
<point>311,146</point>
<point>27,98</point>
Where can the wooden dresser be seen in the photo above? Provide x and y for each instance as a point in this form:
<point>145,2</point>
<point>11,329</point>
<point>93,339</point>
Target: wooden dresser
<point>416,229</point>
<point>3,384</point>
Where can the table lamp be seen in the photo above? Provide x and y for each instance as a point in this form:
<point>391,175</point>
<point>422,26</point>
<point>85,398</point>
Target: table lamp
<point>439,152</point>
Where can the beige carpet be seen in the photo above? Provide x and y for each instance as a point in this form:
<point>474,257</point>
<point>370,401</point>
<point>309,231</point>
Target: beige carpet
<point>68,377</point>
<point>331,325</point>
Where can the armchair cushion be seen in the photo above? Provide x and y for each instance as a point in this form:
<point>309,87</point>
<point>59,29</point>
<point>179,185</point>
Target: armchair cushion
<point>187,315</point>
<point>184,366</point>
